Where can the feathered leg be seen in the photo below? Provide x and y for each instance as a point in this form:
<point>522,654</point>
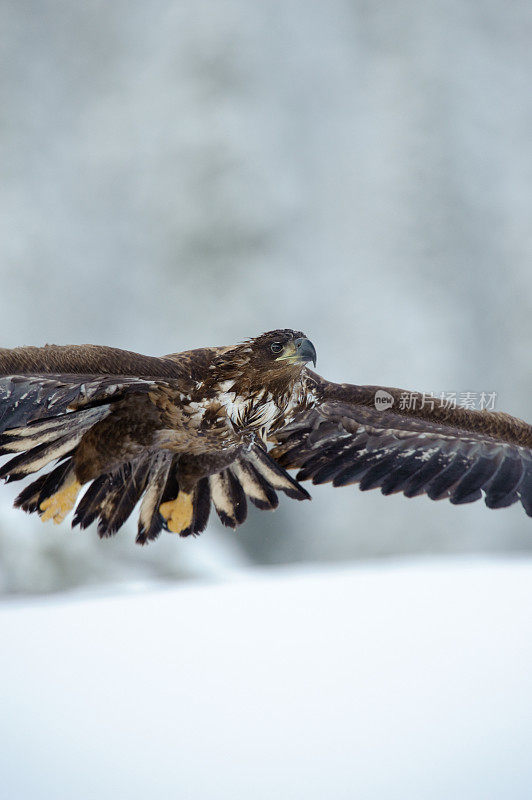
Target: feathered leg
<point>58,505</point>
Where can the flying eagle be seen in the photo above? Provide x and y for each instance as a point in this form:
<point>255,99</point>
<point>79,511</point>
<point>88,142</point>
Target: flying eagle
<point>223,425</point>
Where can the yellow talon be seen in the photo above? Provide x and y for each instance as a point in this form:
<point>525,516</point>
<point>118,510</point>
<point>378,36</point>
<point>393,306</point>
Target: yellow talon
<point>58,505</point>
<point>178,513</point>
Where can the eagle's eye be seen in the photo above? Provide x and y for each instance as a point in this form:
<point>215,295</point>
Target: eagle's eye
<point>276,347</point>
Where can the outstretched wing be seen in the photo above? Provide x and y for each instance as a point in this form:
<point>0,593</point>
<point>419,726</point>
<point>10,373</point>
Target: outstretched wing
<point>51,397</point>
<point>425,448</point>
<point>27,398</point>
<point>37,382</point>
<point>89,359</point>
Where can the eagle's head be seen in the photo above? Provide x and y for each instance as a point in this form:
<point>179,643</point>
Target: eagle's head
<point>271,361</point>
<point>278,351</point>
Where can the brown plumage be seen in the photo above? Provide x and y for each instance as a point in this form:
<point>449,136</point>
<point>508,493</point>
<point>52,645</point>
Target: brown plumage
<point>222,426</point>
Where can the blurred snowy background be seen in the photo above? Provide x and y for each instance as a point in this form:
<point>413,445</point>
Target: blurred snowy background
<point>179,174</point>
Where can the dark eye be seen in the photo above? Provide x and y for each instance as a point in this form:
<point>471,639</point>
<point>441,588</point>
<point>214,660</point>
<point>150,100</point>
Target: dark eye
<point>276,347</point>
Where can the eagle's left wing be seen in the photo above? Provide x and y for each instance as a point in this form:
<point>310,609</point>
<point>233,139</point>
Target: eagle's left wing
<point>422,446</point>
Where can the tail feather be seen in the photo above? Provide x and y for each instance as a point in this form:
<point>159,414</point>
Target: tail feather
<point>150,520</point>
<point>202,505</point>
<point>257,488</point>
<point>222,498</point>
<point>151,479</point>
<point>88,507</point>
<point>55,480</point>
<point>276,475</point>
<point>31,498</point>
<point>228,498</point>
<point>28,499</point>
<point>128,485</point>
<point>238,496</point>
<point>255,475</point>
<point>111,498</point>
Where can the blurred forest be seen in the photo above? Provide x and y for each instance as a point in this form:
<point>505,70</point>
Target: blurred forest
<point>180,174</point>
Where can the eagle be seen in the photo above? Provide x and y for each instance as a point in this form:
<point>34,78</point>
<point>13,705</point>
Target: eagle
<point>221,426</point>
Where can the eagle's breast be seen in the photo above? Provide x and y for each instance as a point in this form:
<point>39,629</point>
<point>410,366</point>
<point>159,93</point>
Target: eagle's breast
<point>251,411</point>
<point>262,410</point>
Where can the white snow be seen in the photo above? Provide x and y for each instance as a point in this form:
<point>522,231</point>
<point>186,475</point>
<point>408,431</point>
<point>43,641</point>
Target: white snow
<point>406,680</point>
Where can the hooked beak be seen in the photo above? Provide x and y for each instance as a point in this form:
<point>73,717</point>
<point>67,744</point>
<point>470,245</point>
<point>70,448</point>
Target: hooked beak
<point>300,351</point>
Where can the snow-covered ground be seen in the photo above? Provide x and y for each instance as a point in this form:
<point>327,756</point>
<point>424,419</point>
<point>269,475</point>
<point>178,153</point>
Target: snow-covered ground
<point>399,680</point>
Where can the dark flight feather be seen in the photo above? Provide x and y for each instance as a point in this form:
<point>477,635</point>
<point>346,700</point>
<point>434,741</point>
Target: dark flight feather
<point>39,490</point>
<point>150,522</point>
<point>88,507</point>
<point>464,456</point>
<point>202,505</point>
<point>128,485</point>
<point>501,490</point>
